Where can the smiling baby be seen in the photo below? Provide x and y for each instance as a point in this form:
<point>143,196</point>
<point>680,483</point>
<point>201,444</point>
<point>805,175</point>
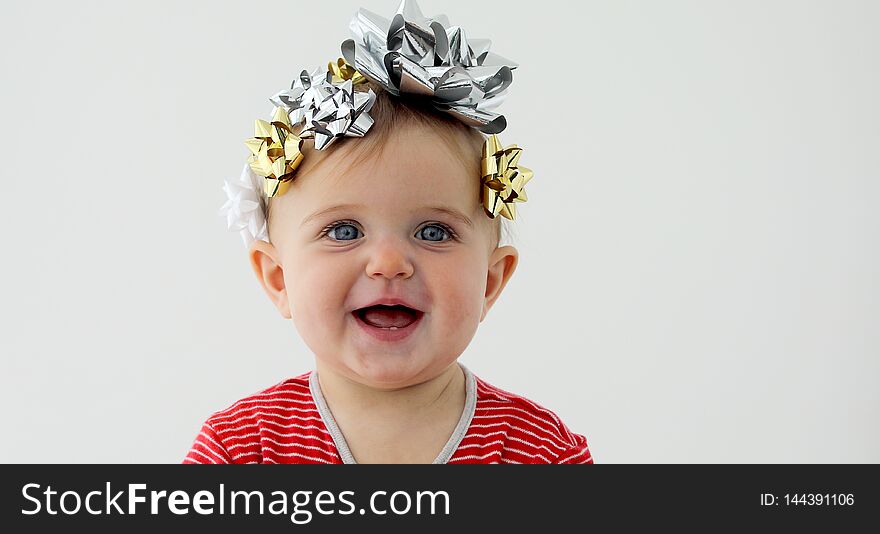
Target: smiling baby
<point>371,206</point>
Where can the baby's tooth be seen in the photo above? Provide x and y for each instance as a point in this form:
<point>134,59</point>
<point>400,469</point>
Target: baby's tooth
<point>393,328</point>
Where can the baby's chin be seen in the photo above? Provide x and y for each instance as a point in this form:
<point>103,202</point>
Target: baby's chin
<point>389,371</point>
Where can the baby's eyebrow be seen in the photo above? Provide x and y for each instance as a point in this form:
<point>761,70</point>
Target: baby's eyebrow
<point>452,212</point>
<point>331,209</point>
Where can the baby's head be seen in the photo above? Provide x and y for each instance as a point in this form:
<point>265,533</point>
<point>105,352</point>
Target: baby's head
<point>395,218</point>
<point>377,226</point>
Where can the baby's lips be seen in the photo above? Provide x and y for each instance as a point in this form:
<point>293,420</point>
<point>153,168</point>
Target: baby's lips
<point>391,301</point>
<point>388,317</point>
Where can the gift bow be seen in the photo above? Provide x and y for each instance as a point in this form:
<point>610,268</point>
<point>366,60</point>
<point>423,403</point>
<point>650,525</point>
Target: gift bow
<point>426,56</point>
<point>503,179</point>
<point>342,71</point>
<point>276,152</point>
<point>327,105</point>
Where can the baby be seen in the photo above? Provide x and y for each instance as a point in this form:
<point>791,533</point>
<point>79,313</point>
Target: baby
<point>385,252</point>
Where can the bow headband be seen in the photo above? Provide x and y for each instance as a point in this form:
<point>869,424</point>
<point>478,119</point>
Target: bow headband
<point>410,54</point>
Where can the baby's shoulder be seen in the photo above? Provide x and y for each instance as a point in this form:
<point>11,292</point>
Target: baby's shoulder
<point>291,394</point>
<point>498,406</point>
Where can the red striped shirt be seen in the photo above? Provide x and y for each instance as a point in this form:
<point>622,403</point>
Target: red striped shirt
<point>290,423</point>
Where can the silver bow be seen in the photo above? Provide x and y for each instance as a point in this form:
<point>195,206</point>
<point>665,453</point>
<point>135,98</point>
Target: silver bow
<point>330,108</point>
<point>426,56</point>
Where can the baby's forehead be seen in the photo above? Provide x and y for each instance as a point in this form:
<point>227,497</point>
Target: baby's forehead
<point>417,169</point>
<point>384,197</point>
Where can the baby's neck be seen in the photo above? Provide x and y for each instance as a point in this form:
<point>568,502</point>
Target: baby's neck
<point>404,425</point>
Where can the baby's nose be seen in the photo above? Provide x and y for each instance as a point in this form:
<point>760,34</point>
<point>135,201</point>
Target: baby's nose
<point>389,258</point>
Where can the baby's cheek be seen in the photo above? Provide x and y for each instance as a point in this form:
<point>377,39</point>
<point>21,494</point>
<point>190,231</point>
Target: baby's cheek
<point>461,292</point>
<point>313,287</point>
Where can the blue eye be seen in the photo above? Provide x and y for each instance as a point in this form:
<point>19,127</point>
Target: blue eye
<point>434,232</point>
<point>347,231</point>
<point>343,232</point>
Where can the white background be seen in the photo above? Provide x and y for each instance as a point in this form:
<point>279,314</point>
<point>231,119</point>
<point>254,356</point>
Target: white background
<point>698,280</point>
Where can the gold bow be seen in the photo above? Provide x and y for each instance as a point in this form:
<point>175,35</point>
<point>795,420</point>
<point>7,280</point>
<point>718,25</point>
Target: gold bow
<point>503,179</point>
<point>276,152</point>
<point>342,71</point>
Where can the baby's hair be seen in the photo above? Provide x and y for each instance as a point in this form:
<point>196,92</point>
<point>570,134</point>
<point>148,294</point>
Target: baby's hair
<point>389,113</point>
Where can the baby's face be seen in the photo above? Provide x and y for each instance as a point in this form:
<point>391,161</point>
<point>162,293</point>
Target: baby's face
<point>404,227</point>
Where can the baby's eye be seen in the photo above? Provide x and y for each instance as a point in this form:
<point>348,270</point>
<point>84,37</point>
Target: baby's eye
<point>342,232</point>
<point>434,232</point>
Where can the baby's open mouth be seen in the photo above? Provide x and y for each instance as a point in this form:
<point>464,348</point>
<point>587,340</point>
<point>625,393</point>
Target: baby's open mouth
<point>389,317</point>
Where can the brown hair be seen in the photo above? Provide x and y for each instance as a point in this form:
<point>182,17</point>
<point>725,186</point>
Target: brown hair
<point>389,113</point>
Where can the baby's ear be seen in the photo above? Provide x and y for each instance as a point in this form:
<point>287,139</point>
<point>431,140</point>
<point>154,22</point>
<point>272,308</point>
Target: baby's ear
<point>502,263</point>
<point>266,263</point>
